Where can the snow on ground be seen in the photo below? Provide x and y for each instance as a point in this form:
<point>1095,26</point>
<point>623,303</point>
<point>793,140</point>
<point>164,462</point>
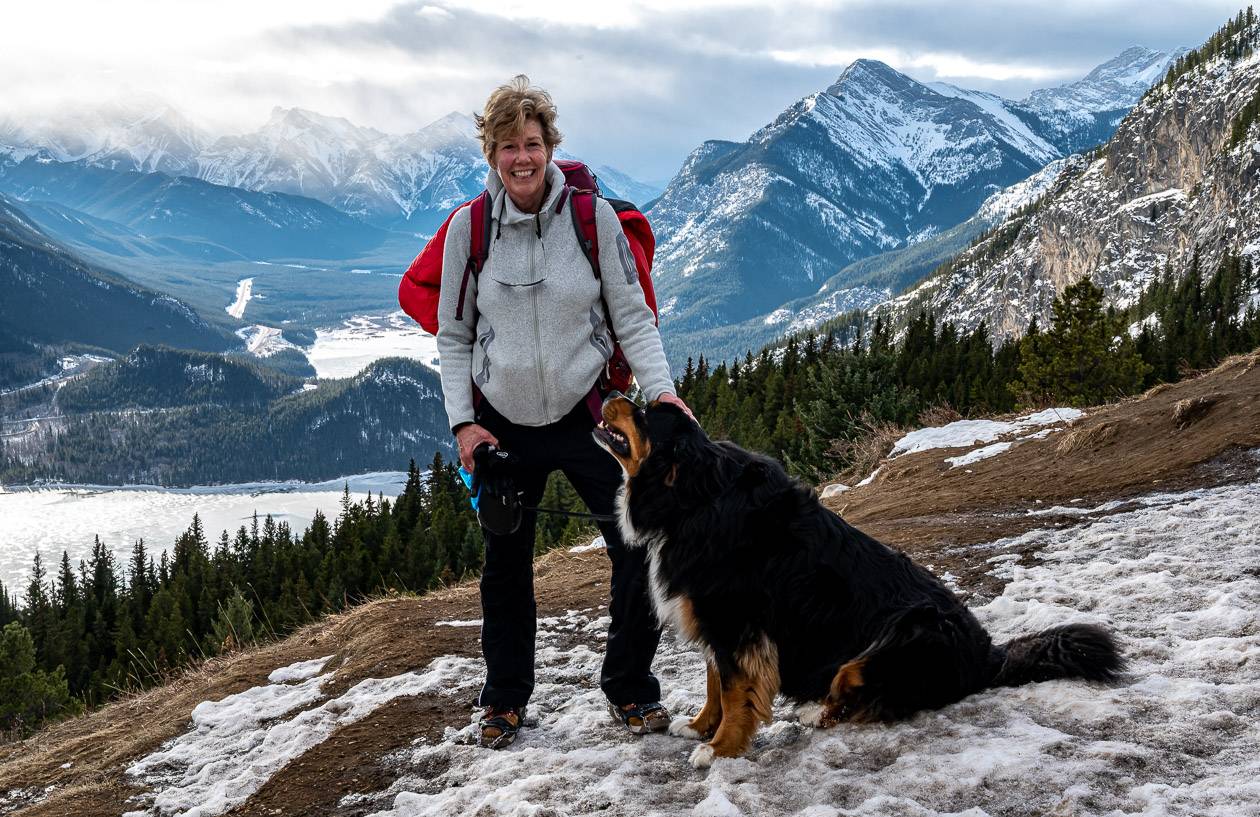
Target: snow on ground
<point>978,454</point>
<point>349,349</point>
<point>1176,578</point>
<point>597,543</point>
<point>263,341</point>
<point>964,433</point>
<point>237,744</point>
<point>244,292</point>
<point>51,519</point>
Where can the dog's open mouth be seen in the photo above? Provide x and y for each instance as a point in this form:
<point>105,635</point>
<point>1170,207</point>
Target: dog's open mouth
<point>612,439</point>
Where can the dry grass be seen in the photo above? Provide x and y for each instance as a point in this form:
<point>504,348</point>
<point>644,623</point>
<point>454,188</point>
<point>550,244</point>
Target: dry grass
<point>1191,410</point>
<point>1087,436</point>
<point>1158,388</point>
<point>1245,362</point>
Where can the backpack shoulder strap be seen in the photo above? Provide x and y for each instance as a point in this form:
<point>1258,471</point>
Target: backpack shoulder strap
<point>582,208</point>
<point>479,216</point>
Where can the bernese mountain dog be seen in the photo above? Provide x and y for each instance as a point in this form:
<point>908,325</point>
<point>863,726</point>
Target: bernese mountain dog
<point>782,596</point>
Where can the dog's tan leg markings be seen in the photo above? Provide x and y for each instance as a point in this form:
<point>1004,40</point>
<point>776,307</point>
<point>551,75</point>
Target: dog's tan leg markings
<point>839,704</point>
<point>746,699</point>
<point>706,722</point>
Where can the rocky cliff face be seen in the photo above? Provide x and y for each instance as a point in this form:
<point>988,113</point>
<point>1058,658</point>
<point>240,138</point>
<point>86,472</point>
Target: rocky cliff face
<point>1167,182</point>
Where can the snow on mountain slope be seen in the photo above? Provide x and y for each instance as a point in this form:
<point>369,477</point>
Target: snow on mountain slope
<point>401,181</point>
<point>133,133</point>
<point>1109,86</point>
<point>875,162</point>
<point>1169,181</point>
<point>1083,113</point>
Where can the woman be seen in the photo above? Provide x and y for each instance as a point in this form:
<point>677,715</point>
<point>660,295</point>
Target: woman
<point>533,339</point>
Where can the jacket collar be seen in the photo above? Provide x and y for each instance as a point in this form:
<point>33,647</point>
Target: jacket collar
<point>507,212</point>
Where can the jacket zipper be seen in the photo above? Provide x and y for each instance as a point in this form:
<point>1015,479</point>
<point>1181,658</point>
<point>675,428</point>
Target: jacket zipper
<point>533,299</point>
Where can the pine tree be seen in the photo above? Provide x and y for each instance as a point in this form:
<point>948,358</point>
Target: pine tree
<point>233,627</point>
<point>1085,357</point>
<point>28,695</point>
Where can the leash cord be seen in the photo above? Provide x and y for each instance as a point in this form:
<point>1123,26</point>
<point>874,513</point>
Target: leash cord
<point>598,517</point>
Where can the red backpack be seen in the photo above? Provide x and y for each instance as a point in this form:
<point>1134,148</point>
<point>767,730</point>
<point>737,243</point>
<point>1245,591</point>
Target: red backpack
<point>418,290</point>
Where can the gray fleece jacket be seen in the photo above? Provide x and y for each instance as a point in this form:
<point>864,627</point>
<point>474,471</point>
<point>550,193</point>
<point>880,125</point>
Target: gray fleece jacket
<point>534,336</point>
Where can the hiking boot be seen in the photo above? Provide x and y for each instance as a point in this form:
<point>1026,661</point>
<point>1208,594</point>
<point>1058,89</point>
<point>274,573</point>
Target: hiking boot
<point>499,725</point>
<point>641,718</point>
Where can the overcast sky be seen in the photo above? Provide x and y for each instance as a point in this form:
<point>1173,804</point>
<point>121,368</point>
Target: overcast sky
<point>638,85</point>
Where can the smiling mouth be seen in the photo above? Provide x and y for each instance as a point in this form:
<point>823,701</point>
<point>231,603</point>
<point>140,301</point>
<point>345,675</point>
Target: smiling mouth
<point>522,174</point>
<point>612,439</point>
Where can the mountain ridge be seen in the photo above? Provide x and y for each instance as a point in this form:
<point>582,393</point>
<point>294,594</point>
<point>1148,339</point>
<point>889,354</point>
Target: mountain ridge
<point>1168,186</point>
<point>876,161</point>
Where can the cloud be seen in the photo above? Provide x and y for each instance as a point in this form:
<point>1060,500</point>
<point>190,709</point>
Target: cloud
<point>638,85</point>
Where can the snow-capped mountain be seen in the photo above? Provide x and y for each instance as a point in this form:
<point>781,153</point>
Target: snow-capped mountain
<point>136,133</point>
<point>407,181</point>
<point>1181,173</point>
<point>1084,113</point>
<point>875,162</point>
<point>400,181</point>
<point>864,284</point>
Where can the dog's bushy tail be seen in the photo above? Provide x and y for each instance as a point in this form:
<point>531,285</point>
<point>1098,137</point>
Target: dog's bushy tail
<point>1069,651</point>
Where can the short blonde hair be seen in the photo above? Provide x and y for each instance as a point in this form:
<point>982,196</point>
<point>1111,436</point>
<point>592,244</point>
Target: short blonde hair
<point>507,110</point>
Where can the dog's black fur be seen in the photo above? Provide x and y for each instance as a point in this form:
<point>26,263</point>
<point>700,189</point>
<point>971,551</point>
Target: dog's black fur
<point>758,559</point>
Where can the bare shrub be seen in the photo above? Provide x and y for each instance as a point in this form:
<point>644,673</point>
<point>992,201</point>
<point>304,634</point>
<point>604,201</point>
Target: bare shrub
<point>939,415</point>
<point>861,455</point>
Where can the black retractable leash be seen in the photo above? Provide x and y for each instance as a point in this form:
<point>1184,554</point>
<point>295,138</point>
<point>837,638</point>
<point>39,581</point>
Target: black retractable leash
<point>494,495</point>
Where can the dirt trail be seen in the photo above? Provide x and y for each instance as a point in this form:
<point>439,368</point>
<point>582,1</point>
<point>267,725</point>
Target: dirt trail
<point>1189,434</point>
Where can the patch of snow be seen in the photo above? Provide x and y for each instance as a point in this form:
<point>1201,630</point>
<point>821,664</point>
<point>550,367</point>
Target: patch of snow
<point>1172,194</point>
<point>244,291</point>
<point>1151,322</point>
<point>834,489</point>
<point>236,745</point>
<point>963,433</point>
<point>972,457</point>
<point>597,543</point>
<point>471,622</point>
<point>301,671</point>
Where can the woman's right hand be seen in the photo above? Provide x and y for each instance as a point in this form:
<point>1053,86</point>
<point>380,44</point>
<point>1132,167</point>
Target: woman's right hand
<point>467,439</point>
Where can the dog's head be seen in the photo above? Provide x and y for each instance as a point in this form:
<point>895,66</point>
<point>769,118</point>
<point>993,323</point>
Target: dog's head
<point>633,433</point>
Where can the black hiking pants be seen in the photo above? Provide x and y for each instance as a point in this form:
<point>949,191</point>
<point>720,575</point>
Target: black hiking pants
<point>508,609</point>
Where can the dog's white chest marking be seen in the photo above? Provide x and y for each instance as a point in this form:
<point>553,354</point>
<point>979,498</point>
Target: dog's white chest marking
<point>668,610</point>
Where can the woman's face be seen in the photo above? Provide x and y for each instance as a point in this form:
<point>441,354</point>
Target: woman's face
<point>521,162</point>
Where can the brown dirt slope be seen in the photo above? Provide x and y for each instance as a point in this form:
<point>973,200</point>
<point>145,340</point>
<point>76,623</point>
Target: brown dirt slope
<point>1189,434</point>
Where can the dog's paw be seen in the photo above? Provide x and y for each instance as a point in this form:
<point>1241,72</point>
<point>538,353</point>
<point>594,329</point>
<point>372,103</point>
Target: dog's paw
<point>811,714</point>
<point>681,728</point>
<point>702,756</point>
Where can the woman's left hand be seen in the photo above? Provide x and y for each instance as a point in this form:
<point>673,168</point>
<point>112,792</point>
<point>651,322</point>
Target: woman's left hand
<point>675,400</point>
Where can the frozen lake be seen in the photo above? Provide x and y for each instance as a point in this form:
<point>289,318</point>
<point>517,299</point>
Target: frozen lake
<point>52,519</point>
<point>346,351</point>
